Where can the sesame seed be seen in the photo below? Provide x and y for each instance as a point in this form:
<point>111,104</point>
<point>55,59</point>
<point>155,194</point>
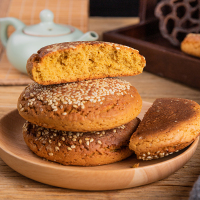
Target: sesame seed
<point>87,139</point>
<point>59,144</point>
<point>57,148</point>
<point>149,157</point>
<point>63,138</point>
<point>87,143</point>
<point>80,141</point>
<point>82,106</point>
<point>156,156</point>
<point>50,154</point>
<point>73,146</point>
<point>69,149</point>
<point>91,140</point>
<point>64,113</point>
<point>74,139</point>
<point>99,142</point>
<point>114,130</point>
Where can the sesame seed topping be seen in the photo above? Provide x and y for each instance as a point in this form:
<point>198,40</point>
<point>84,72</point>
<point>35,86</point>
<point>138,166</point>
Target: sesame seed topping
<point>87,143</point>
<point>50,154</point>
<point>63,138</point>
<point>73,146</point>
<point>75,93</point>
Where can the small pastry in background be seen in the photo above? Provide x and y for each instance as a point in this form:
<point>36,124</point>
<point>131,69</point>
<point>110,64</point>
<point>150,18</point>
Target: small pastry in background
<point>169,125</point>
<point>191,44</point>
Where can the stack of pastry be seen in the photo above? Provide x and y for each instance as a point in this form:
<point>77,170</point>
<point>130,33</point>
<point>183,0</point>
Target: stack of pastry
<point>77,111</point>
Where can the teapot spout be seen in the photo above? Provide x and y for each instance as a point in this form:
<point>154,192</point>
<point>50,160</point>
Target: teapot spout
<point>4,23</point>
<point>89,36</point>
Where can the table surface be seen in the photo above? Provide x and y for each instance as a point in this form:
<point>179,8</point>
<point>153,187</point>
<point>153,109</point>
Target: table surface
<point>177,186</point>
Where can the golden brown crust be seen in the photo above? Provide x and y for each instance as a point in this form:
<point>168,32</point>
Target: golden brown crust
<point>85,149</point>
<point>191,44</point>
<point>169,125</point>
<point>56,57</point>
<point>92,105</point>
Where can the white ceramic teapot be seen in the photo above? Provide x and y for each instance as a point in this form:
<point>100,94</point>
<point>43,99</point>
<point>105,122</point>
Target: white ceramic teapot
<point>27,40</point>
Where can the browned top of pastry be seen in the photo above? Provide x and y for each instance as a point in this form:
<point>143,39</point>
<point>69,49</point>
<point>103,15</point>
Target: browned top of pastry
<point>166,113</point>
<point>168,126</point>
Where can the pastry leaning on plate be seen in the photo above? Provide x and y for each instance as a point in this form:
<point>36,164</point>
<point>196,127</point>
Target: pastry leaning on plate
<point>170,125</point>
<point>88,122</point>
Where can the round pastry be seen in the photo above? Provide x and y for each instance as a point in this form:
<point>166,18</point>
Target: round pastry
<point>77,61</point>
<point>84,149</point>
<point>84,106</point>
<point>191,44</point>
<point>169,125</point>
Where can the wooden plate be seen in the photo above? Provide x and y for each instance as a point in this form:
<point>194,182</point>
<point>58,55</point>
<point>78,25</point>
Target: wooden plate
<point>17,155</point>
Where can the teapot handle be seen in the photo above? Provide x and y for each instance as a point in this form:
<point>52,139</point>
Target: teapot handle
<point>4,23</point>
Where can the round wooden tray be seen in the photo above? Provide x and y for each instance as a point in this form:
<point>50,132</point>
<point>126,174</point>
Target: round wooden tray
<point>17,155</point>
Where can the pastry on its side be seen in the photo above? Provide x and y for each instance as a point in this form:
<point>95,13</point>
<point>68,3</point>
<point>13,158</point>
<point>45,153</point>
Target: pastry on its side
<point>85,149</point>
<point>191,44</point>
<point>77,61</point>
<point>91,105</point>
<point>169,125</point>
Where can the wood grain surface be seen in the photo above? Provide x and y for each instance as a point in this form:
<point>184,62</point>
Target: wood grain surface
<point>177,186</point>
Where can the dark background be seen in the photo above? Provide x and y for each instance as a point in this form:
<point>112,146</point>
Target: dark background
<point>114,8</point>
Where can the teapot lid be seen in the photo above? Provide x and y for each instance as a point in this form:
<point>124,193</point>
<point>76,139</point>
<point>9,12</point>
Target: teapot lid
<point>47,27</point>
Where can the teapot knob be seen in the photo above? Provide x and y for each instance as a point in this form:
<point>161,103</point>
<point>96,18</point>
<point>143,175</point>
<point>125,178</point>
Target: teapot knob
<point>46,16</point>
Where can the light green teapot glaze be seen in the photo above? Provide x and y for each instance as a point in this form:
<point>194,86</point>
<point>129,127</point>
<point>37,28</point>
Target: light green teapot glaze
<point>27,40</point>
